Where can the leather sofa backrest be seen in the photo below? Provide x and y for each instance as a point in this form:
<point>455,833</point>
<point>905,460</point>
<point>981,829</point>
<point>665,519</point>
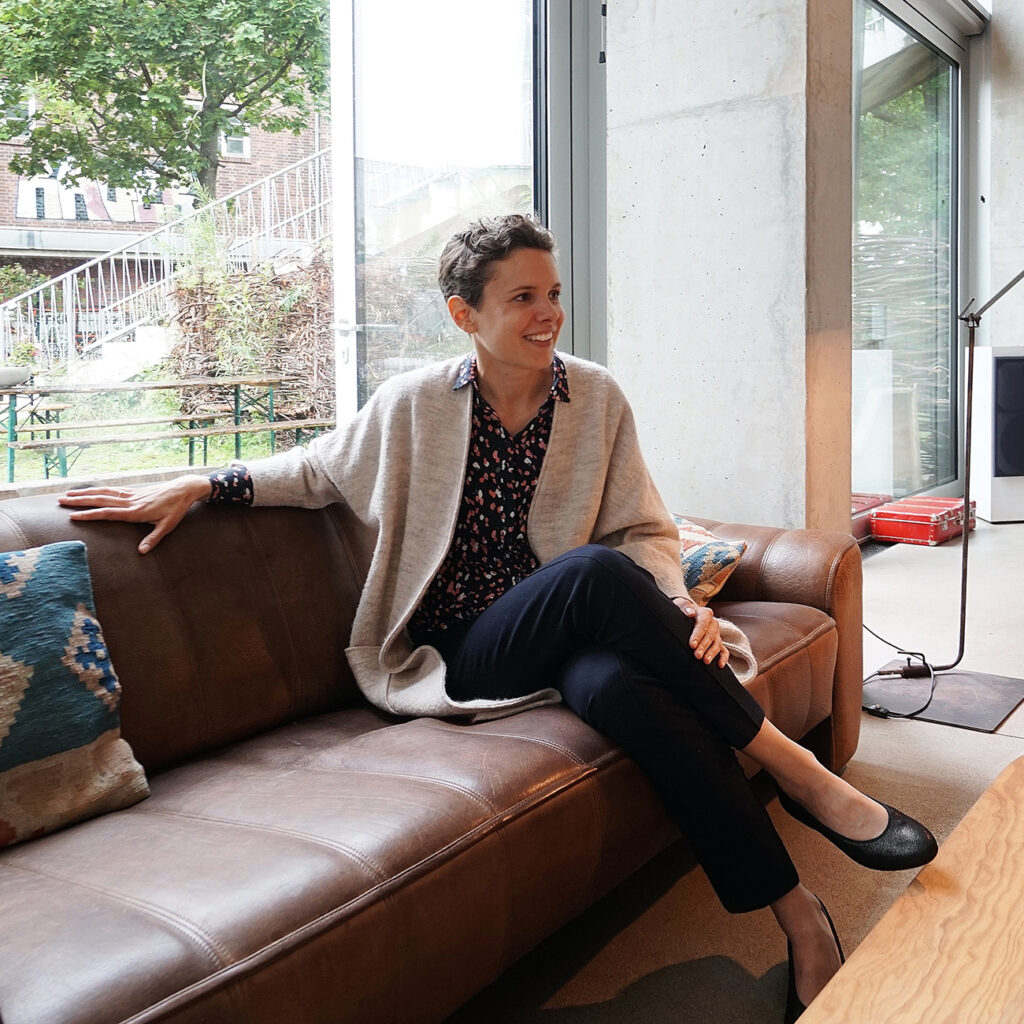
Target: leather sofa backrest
<point>237,622</point>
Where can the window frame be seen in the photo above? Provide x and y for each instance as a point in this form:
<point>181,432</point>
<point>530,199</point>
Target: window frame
<point>947,27</point>
<point>240,135</point>
<point>28,104</point>
<point>569,175</point>
<point>943,23</point>
<point>573,196</point>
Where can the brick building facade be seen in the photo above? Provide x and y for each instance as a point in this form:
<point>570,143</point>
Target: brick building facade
<point>51,228</point>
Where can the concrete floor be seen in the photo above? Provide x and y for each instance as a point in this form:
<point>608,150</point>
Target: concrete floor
<point>912,598</point>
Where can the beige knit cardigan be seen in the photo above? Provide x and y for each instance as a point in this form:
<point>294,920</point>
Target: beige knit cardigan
<point>400,463</point>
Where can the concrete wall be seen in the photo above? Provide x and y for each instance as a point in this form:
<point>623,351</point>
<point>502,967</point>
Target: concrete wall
<point>994,200</point>
<point>998,69</point>
<point>729,251</point>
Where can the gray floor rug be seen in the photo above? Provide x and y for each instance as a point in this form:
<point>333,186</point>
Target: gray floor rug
<point>967,700</point>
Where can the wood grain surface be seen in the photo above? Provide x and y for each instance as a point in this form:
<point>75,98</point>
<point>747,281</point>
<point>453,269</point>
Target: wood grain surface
<point>951,949</point>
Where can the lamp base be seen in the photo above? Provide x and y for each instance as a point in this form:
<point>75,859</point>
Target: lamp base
<point>967,700</point>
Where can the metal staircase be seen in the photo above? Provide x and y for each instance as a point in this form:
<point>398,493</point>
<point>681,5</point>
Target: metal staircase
<point>111,296</point>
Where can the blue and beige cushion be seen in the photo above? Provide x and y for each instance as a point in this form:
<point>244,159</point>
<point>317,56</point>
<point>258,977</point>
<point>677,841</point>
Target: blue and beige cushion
<point>62,757</point>
<point>707,560</point>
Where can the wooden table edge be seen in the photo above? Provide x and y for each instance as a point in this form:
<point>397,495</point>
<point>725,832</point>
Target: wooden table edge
<point>951,948</point>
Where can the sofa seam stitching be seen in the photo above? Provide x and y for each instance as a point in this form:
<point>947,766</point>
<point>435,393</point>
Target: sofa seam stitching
<point>378,871</point>
<point>478,797</point>
<point>540,741</point>
<point>16,526</point>
<point>205,942</point>
<point>799,645</point>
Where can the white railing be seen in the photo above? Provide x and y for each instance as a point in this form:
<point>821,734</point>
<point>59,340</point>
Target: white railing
<point>112,295</point>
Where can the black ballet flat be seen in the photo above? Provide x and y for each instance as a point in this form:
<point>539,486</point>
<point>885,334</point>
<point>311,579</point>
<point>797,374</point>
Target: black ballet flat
<point>793,1005</point>
<point>904,842</point>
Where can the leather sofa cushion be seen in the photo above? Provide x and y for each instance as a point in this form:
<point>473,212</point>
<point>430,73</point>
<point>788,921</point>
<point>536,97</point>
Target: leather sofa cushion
<point>796,648</point>
<point>297,838</point>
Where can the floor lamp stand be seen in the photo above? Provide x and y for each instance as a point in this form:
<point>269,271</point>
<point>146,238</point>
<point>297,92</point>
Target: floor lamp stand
<point>971,700</point>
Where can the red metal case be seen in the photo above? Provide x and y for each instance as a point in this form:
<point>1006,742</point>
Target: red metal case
<point>912,524</point>
<point>919,520</point>
<point>956,504</point>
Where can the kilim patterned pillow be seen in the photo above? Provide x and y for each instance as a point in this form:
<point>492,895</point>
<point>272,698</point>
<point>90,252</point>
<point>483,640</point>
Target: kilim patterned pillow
<point>62,758</point>
<point>707,560</point>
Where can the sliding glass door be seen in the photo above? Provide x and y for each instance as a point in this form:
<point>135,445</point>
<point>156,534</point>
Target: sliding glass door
<point>904,273</point>
<point>442,130</point>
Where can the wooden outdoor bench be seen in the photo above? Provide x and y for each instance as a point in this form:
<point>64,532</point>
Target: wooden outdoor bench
<point>57,426</point>
<point>46,410</point>
<point>54,449</point>
<point>56,459</point>
<point>34,409</point>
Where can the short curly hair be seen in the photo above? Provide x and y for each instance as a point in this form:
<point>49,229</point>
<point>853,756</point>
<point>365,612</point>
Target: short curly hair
<point>464,267</point>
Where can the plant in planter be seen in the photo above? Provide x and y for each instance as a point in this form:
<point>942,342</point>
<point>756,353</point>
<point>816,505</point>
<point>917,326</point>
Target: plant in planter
<point>19,364</point>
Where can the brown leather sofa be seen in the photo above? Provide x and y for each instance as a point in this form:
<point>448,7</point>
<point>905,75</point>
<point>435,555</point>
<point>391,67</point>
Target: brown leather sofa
<point>305,858</point>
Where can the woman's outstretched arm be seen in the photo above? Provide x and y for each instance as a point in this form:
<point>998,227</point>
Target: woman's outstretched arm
<point>162,504</point>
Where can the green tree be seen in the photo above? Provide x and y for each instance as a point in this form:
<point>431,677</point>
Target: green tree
<point>904,159</point>
<point>15,279</point>
<point>135,93</point>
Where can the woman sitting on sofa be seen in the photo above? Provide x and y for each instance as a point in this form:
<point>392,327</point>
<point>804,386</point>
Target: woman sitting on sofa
<point>524,556</point>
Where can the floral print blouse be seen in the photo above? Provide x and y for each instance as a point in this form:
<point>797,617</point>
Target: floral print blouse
<point>490,551</point>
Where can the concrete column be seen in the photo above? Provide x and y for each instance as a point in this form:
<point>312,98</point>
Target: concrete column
<point>995,206</point>
<point>1000,81</point>
<point>729,251</point>
<point>829,190</point>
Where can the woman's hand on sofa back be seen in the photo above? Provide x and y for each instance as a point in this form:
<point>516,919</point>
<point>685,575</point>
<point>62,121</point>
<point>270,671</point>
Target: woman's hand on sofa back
<point>163,504</point>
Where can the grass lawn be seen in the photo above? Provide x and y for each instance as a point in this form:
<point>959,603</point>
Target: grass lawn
<point>110,459</point>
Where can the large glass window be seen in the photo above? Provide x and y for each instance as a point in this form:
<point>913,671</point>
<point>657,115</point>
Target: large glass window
<point>443,131</point>
<point>904,270</point>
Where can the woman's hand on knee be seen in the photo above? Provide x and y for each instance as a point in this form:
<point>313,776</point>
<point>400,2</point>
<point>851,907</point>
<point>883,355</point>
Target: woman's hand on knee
<point>164,504</point>
<point>706,639</point>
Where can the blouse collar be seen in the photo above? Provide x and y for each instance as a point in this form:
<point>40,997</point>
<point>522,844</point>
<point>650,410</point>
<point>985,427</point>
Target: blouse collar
<point>559,378</point>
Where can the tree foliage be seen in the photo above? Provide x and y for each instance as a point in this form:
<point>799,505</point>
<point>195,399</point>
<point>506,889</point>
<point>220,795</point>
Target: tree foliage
<point>15,279</point>
<point>135,93</point>
<point>903,175</point>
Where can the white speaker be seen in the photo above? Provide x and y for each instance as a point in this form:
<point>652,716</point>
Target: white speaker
<point>997,451</point>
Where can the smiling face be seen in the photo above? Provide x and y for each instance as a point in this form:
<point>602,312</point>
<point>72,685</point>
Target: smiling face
<point>516,325</point>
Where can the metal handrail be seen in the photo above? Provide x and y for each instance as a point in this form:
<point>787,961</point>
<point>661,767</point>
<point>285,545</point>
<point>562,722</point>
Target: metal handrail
<point>113,294</point>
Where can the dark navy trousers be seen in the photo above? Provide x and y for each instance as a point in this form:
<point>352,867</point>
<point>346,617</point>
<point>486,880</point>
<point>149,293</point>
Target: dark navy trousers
<point>594,625</point>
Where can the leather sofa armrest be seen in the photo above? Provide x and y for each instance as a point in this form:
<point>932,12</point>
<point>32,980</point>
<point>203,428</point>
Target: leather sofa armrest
<point>821,569</point>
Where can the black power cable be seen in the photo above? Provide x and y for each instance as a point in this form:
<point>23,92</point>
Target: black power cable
<point>908,671</point>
